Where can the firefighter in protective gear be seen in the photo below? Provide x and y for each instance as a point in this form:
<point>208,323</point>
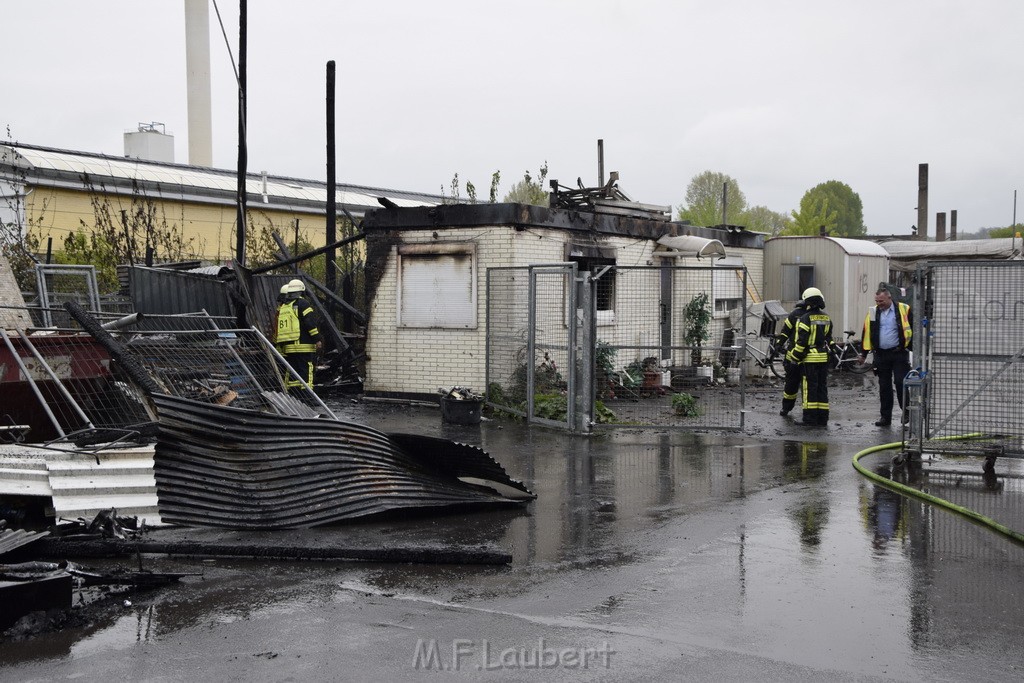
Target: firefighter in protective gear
<point>784,341</point>
<point>297,337</point>
<point>813,339</point>
<point>888,333</point>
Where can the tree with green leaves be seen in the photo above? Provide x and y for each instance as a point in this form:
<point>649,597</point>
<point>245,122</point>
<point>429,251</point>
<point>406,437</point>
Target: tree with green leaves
<point>1008,231</point>
<point>530,191</point>
<point>763,219</point>
<point>814,214</point>
<point>825,199</point>
<point>704,200</point>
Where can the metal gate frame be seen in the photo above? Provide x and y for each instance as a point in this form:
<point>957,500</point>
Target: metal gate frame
<point>966,391</point>
<point>519,338</point>
<point>533,340</point>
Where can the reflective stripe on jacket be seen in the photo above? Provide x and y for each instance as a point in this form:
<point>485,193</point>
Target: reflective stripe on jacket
<point>904,327</point>
<point>787,337</point>
<point>813,337</point>
<point>295,331</point>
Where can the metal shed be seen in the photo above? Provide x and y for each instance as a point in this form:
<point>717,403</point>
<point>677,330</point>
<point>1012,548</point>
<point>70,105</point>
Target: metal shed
<point>847,271</point>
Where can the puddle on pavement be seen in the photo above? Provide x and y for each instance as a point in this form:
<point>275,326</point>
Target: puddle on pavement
<point>599,498</point>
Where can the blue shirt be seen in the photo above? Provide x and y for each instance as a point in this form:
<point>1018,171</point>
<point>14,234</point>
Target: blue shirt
<point>888,334</point>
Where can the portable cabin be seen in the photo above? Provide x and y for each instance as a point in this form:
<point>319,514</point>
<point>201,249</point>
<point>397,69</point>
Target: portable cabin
<point>847,271</point>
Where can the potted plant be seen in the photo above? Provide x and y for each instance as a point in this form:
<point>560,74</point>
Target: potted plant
<point>652,375</point>
<point>697,323</point>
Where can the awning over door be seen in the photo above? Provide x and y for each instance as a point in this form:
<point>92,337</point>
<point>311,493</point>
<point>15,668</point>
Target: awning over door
<point>689,245</point>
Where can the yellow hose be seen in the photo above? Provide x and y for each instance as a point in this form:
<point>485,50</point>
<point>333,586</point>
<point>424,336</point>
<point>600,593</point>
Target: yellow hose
<point>911,492</point>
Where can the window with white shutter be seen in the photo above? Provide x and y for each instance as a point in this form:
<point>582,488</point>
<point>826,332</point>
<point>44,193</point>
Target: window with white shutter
<point>437,285</point>
<point>727,285</point>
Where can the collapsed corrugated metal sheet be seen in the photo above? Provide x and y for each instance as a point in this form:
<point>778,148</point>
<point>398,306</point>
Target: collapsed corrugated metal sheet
<point>161,291</point>
<point>235,468</point>
<point>15,538</point>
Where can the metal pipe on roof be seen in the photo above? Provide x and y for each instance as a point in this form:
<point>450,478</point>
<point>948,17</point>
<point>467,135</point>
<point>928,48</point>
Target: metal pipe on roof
<point>132,319</point>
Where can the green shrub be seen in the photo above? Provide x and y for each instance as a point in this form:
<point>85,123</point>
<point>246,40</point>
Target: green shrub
<point>555,407</point>
<point>685,405</point>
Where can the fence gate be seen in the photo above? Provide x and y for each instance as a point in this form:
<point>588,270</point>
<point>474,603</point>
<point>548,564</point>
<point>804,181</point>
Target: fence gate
<point>532,327</point>
<point>614,347</point>
<point>967,392</point>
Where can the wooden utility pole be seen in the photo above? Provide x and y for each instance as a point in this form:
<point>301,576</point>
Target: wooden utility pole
<point>922,201</point>
<point>242,154</point>
<point>332,209</point>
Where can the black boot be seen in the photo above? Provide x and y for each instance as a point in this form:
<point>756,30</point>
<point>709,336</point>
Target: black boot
<point>809,419</point>
<point>787,406</point>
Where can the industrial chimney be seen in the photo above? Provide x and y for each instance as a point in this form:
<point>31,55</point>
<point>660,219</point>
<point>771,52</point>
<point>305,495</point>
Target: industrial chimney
<point>197,65</point>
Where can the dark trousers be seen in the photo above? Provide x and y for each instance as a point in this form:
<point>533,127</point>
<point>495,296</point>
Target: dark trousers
<point>891,366</point>
<point>791,389</point>
<point>815,387</point>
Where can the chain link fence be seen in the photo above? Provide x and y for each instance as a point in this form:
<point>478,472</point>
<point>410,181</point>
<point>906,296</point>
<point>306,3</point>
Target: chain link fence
<point>617,346</point>
<point>967,391</point>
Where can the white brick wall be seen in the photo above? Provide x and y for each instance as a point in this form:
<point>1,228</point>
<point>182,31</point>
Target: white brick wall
<point>419,360</point>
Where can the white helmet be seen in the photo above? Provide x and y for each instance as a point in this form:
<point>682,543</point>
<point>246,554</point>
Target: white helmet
<point>293,286</point>
<point>812,291</point>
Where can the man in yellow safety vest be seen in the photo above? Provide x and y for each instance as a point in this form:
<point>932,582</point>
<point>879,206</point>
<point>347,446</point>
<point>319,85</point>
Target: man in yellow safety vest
<point>888,331</point>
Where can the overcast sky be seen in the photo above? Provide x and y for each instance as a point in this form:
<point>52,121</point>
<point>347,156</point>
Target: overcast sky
<point>779,95</point>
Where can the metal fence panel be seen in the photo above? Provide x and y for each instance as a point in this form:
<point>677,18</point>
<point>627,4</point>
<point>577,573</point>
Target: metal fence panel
<point>971,341</point>
<point>550,354</point>
<point>611,347</point>
<point>530,342</point>
<point>646,358</point>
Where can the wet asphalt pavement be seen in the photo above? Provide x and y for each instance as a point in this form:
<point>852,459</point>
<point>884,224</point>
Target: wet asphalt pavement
<point>648,555</point>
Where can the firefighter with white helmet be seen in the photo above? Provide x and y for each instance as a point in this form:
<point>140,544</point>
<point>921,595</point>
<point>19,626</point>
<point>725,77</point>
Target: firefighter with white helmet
<point>297,337</point>
<point>813,339</point>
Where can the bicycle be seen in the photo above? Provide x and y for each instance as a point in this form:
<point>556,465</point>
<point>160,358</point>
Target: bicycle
<point>771,358</point>
<point>845,355</point>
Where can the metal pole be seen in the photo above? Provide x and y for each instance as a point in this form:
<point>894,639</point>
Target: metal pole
<point>234,353</point>
<point>531,322</point>
<point>32,383</point>
<point>586,341</point>
<point>290,369</point>
<point>572,350</point>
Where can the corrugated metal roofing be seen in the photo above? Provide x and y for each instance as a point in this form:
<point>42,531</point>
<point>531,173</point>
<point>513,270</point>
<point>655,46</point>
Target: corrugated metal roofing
<point>229,467</point>
<point>15,538</point>
<point>47,161</point>
<point>850,246</point>
<point>996,248</point>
